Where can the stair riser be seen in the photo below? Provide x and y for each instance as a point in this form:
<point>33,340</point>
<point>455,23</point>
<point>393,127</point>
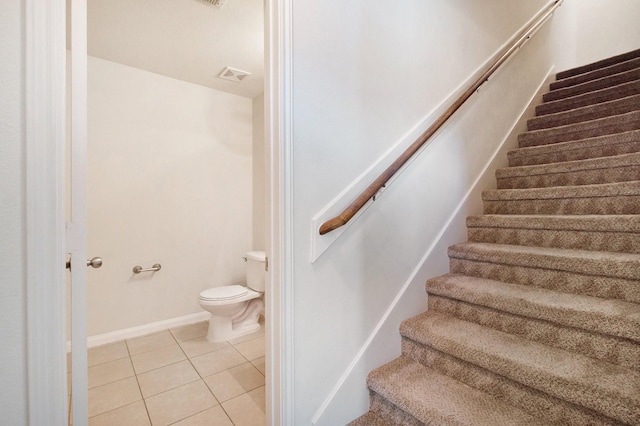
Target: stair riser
<point>617,204</point>
<point>599,84</point>
<point>593,112</point>
<point>598,65</point>
<point>531,400</point>
<point>591,98</point>
<point>582,177</point>
<point>389,412</point>
<point>619,242</point>
<point>596,74</point>
<point>568,282</point>
<point>607,348</point>
<point>591,129</point>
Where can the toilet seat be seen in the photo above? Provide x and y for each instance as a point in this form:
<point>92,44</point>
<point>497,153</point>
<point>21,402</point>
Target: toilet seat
<point>227,294</point>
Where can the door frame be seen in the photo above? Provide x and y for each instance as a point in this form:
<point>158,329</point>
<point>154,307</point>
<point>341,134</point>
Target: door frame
<point>45,115</point>
<point>279,354</point>
<point>44,99</point>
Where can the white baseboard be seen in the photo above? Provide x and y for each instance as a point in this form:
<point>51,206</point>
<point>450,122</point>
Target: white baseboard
<point>141,330</point>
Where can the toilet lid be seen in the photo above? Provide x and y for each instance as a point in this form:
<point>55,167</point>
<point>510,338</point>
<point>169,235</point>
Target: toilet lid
<point>225,292</point>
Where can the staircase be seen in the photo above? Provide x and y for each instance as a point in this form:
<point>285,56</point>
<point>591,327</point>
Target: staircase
<point>538,321</point>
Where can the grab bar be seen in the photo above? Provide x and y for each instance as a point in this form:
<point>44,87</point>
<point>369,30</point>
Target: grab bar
<point>154,268</point>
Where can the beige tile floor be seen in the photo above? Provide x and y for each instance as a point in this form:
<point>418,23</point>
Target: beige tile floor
<point>176,377</point>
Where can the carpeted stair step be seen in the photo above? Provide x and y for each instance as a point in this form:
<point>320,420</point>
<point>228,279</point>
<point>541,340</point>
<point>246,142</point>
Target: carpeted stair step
<point>619,168</point>
<point>481,356</point>
<point>613,233</point>
<point>596,74</point>
<point>603,146</point>
<point>583,130</point>
<point>432,398</point>
<point>550,410</point>
<point>591,98</point>
<point>370,419</point>
<point>599,274</point>
<point>593,314</point>
<point>618,198</point>
<point>599,64</point>
<point>590,86</point>
<point>587,113</point>
<point>614,350</point>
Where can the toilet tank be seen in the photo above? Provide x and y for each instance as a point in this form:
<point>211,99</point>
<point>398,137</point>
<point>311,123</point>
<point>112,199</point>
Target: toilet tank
<point>255,270</point>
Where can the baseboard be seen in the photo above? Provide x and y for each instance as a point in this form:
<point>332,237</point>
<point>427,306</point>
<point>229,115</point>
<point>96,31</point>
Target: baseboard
<point>141,330</point>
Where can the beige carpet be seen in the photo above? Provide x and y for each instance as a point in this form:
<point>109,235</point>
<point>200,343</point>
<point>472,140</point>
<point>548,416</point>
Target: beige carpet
<point>538,321</point>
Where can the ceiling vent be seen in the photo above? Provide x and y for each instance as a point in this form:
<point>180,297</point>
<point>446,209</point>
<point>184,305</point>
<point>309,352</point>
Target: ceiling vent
<point>233,74</point>
<point>217,3</point>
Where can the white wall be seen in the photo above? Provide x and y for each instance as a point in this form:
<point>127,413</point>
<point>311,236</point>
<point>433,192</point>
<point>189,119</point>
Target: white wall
<point>356,91</point>
<point>169,182</point>
<point>259,175</point>
<point>13,376</point>
<point>606,28</point>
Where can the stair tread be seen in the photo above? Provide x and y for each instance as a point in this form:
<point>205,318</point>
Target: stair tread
<point>589,98</point>
<point>564,192</point>
<point>589,86</point>
<point>612,317</point>
<point>370,419</point>
<point>628,121</point>
<point>582,144</point>
<point>434,398</point>
<point>598,64</point>
<point>595,263</point>
<point>582,380</point>
<point>622,160</point>
<point>597,73</point>
<point>587,223</point>
<point>585,113</point>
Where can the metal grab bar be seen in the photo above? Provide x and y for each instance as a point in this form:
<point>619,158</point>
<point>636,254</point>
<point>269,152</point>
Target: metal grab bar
<point>371,191</point>
<point>154,268</point>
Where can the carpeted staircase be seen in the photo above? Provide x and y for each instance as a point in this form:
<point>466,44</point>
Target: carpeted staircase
<point>538,321</point>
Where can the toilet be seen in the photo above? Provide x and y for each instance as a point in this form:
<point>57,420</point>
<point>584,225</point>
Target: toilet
<point>235,309</point>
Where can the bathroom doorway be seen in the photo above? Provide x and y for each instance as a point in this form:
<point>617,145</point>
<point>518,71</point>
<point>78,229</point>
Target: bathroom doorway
<point>193,142</point>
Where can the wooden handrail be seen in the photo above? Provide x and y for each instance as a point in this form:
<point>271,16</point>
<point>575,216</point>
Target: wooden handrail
<point>380,182</point>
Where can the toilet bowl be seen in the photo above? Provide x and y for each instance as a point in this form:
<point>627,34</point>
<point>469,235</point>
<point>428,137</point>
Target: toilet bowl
<point>235,309</point>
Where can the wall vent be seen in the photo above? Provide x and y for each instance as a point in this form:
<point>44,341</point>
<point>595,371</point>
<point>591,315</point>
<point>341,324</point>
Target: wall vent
<point>217,3</point>
<point>233,74</point>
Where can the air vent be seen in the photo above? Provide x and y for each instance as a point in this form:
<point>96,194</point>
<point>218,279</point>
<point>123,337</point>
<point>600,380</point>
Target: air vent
<point>217,3</point>
<point>233,74</point>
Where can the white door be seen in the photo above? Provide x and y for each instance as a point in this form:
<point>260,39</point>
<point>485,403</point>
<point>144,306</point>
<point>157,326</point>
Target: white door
<point>76,234</point>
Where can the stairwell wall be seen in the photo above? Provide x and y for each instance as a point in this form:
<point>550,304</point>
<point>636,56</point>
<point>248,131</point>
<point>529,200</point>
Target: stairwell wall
<point>605,28</point>
<point>380,71</point>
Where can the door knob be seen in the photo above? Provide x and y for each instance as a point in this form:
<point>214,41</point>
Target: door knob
<point>95,262</point>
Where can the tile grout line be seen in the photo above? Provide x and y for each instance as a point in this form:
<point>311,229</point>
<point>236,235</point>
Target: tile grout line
<point>189,359</point>
<point>144,401</point>
<point>205,383</point>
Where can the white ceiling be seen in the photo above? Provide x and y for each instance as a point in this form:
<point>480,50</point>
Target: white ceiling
<point>189,40</point>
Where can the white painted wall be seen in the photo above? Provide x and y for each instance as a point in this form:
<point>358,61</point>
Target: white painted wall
<point>13,357</point>
<point>364,74</point>
<point>259,175</point>
<point>169,182</point>
<point>606,28</point>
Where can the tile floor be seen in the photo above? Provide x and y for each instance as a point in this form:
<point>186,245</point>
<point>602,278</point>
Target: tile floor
<point>176,377</point>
